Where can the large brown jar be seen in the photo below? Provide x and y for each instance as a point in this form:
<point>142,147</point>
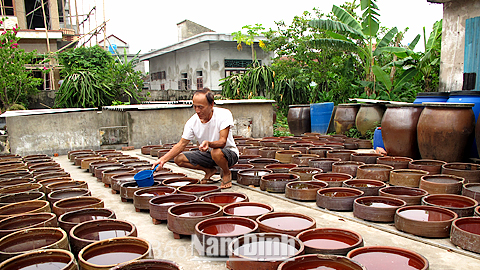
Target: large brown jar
<point>345,117</point>
<point>298,119</point>
<point>444,130</point>
<point>399,129</point>
<point>369,116</point>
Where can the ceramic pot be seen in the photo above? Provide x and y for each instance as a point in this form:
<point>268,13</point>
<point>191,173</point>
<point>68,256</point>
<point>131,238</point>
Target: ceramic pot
<point>212,235</point>
<point>182,218</point>
<point>383,257</point>
<point>142,196</point>
<point>462,205</point>
<point>118,179</point>
<point>347,167</point>
<point>377,208</point>
<point>145,150</point>
<point>276,182</point>
<point>120,250</point>
<point>431,166</point>
<point>57,195</point>
<point>168,181</point>
<point>304,190</point>
<point>303,159</point>
<point>469,171</point>
<point>321,151</point>
<point>305,173</point>
<point>298,119</point>
<point>442,184</point>
<point>367,158</point>
<point>477,211</point>
<point>285,223</point>
<point>396,162</point>
<point>285,144</point>
<point>332,179</point>
<point>368,186</point>
<point>345,115</point>
<point>240,258</point>
<point>286,156</point>
<point>332,241</point>
<point>252,150</point>
<point>369,116</point>
<point>444,130</point>
<point>21,197</point>
<point>76,203</point>
<point>406,177</point>
<point>198,189</point>
<point>65,185</point>
<point>238,167</point>
<point>127,189</point>
<point>22,208</point>
<point>251,176</point>
<point>269,152</point>
<point>379,172</point>
<point>20,188</point>
<point>243,159</point>
<point>399,129</point>
<point>159,206</point>
<point>224,198</point>
<point>31,240</point>
<point>472,190</point>
<point>320,261</point>
<point>108,174</point>
<point>155,264</point>
<point>27,221</point>
<point>466,233</point>
<point>280,168</point>
<point>93,231</point>
<point>62,259</point>
<point>70,219</point>
<point>425,221</point>
<point>251,210</point>
<point>260,163</point>
<point>344,155</point>
<point>412,196</point>
<point>337,198</point>
<point>15,181</point>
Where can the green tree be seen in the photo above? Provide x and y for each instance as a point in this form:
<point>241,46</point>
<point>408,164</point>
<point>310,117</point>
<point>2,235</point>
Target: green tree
<point>249,38</point>
<point>16,80</point>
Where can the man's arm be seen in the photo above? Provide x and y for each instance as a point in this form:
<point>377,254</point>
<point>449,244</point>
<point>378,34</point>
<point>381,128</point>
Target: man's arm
<point>176,149</point>
<point>220,143</point>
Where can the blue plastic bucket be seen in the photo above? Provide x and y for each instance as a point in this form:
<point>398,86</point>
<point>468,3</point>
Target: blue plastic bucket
<point>377,138</point>
<point>145,178</point>
<point>468,97</point>
<point>431,97</point>
<point>320,115</point>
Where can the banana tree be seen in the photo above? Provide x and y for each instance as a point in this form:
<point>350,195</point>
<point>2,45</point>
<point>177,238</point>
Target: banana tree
<point>349,34</point>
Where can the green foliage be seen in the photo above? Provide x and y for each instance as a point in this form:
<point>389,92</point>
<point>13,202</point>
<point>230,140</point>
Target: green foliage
<point>353,133</point>
<point>257,81</point>
<point>249,38</point>
<point>93,78</point>
<point>16,80</point>
<point>16,107</point>
<point>280,127</point>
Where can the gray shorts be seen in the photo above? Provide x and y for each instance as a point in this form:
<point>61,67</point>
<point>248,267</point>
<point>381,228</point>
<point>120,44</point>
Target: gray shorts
<point>205,160</point>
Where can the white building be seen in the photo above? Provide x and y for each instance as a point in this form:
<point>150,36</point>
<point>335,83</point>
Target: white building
<point>198,60</point>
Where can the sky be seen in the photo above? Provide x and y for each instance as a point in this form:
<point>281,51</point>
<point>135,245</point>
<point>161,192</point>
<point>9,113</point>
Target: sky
<point>152,24</point>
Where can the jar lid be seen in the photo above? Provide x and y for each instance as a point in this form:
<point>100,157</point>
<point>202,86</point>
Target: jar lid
<point>448,104</point>
<point>400,105</point>
<point>428,94</point>
<point>465,93</point>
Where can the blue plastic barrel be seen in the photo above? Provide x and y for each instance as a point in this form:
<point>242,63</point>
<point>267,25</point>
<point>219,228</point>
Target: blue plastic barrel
<point>377,138</point>
<point>468,97</point>
<point>320,115</point>
<point>431,97</point>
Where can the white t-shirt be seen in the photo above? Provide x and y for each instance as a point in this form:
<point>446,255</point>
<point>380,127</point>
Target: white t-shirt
<point>210,131</point>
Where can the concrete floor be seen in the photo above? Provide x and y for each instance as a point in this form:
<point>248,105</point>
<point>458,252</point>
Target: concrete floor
<point>440,253</point>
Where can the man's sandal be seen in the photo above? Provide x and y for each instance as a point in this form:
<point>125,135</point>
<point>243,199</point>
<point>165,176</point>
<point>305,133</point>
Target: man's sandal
<point>223,184</point>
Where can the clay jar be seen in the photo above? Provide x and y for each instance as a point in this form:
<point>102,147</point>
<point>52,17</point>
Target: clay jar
<point>68,220</point>
<point>280,168</point>
<point>250,210</point>
<point>426,221</point>
<point>303,159</point>
<point>27,221</point>
<point>384,257</point>
<point>344,155</point>
<point>406,177</point>
<point>304,190</point>
<point>285,223</point>
<point>444,130</point>
<point>21,197</point>
<point>321,151</point>
<point>469,171</point>
<point>379,172</point>
<point>369,116</point>
<point>305,173</point>
<point>238,167</point>
<point>142,196</point>
<point>330,241</point>
<point>224,198</point>
<point>153,264</point>
<point>345,117</point>
<point>76,203</point>
<point>348,167</point>
<point>367,158</point>
<point>57,195</point>
<point>442,184</point>
<point>325,164</point>
<point>62,259</point>
<point>243,159</point>
<point>368,186</point>
<point>26,207</point>
<point>251,176</point>
<point>399,129</point>
<point>286,156</point>
<point>298,119</point>
<point>260,163</point>
<point>269,152</point>
<point>337,198</point>
<point>472,191</point>
<point>182,218</point>
<point>276,182</point>
<point>159,206</point>
<point>466,234</point>
<point>429,165</point>
<point>412,196</point>
<point>377,208</point>
<point>462,205</point>
<point>332,179</point>
<point>395,162</point>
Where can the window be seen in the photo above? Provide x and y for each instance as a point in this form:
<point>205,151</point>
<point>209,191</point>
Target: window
<point>33,9</point>
<point>158,76</point>
<point>236,66</point>
<point>8,7</point>
<point>199,83</point>
<point>184,83</point>
<point>46,80</point>
<point>162,86</point>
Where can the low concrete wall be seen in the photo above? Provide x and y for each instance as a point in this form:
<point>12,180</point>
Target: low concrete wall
<point>44,132</point>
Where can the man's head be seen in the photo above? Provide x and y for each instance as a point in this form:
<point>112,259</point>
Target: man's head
<point>203,104</point>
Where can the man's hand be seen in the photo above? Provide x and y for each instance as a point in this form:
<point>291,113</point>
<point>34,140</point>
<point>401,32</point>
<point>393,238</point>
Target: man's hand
<point>204,146</point>
<point>160,163</point>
